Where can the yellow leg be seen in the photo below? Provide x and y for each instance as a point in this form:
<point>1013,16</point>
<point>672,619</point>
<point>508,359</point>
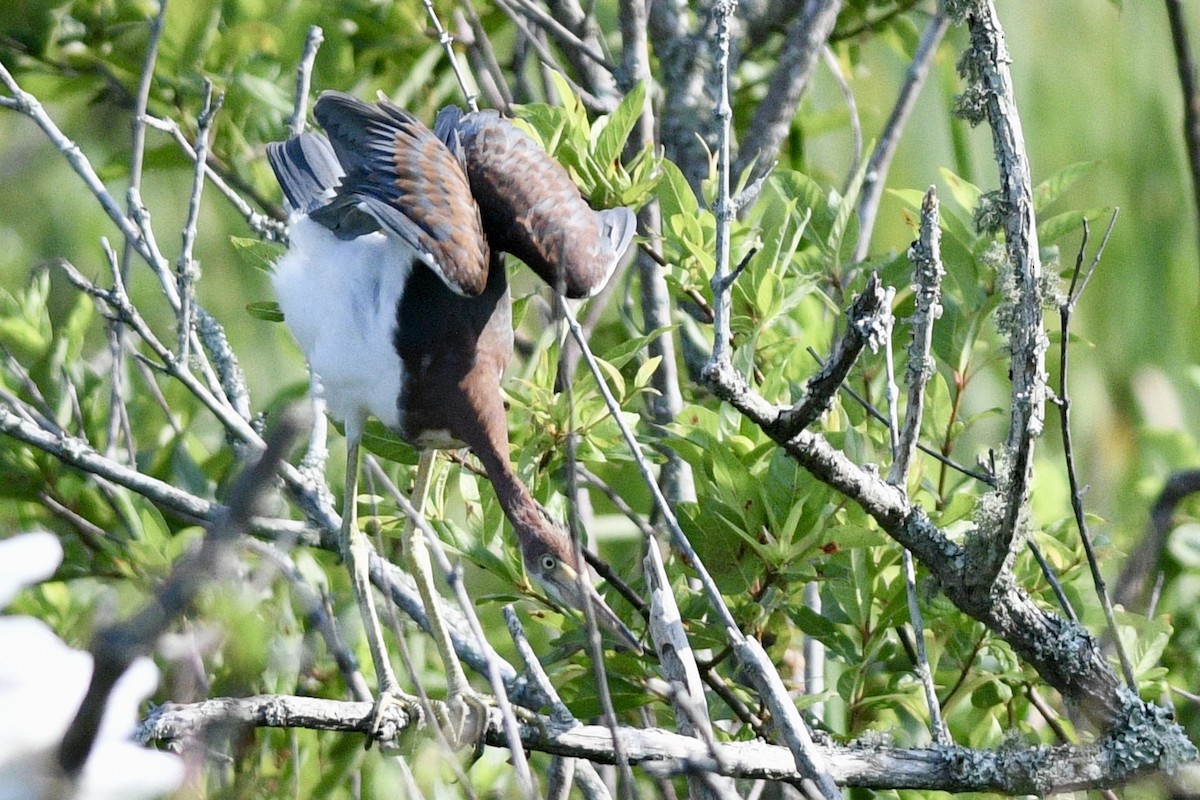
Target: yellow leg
<point>355,552</point>
<point>467,712</point>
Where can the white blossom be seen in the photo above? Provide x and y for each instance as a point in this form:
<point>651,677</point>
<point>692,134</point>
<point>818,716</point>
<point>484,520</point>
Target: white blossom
<point>42,684</point>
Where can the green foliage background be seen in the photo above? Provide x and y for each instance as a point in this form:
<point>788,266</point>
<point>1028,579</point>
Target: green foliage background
<point>1096,85</point>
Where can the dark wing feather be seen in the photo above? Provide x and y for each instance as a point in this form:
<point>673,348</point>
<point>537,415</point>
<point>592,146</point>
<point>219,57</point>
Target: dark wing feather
<point>403,177</point>
<point>307,170</point>
<point>532,209</point>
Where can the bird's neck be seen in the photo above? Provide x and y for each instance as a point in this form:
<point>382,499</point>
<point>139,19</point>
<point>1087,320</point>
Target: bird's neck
<point>528,518</point>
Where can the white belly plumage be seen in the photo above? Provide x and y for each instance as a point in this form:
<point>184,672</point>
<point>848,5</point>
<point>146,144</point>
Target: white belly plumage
<point>339,300</point>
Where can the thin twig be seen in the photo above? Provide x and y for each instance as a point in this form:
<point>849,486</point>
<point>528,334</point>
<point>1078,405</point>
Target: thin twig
<point>1051,578</point>
<point>559,713</point>
<point>880,161</point>
<point>878,416</point>
<point>118,413</point>
<point>1185,64</point>
<point>265,226</point>
<point>314,605</point>
<point>187,270</point>
<point>595,649</point>
<point>453,577</point>
<point>480,44</point>
<point>596,482</point>
<point>564,37</point>
<point>312,43</point>
<point>114,648</point>
<point>1064,409</point>
<point>926,258</point>
<point>547,59</point>
<point>446,40</point>
<point>856,134</point>
<point>138,146</point>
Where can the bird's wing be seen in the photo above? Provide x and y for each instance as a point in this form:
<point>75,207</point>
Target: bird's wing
<point>530,206</point>
<point>406,180</point>
<point>307,170</point>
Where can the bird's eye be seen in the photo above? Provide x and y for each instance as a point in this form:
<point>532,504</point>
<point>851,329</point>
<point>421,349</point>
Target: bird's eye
<point>549,563</point>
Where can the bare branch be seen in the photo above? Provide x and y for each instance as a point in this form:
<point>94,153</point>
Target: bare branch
<point>1185,64</point>
<point>114,648</point>
<point>601,77</point>
<point>593,101</point>
<point>1064,407</point>
<point>880,161</point>
<point>864,320</point>
<point>679,666</point>
<point>446,40</point>
<point>926,256</point>
<point>265,226</point>
<point>484,63</point>
<point>1011,770</point>
<point>990,95</point>
<point>308,56</point>
<point>806,36</point>
<point>187,270</point>
<point>754,661</point>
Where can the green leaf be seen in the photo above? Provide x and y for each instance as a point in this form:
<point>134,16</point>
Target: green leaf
<point>615,133</point>
<point>257,253</point>
<point>965,193</point>
<point>1053,187</point>
<point>615,378</point>
<point>381,441</point>
<point>621,354</point>
<point>645,371</point>
<point>570,100</point>
<point>266,310</point>
<point>675,196</point>
<point>1060,225</point>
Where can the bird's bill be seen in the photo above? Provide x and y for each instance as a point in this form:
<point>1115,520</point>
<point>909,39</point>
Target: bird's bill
<point>565,588</point>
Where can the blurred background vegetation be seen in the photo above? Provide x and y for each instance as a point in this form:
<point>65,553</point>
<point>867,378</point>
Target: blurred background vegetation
<point>1096,83</point>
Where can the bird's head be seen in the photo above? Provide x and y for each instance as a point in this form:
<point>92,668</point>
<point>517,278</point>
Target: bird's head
<point>552,565</point>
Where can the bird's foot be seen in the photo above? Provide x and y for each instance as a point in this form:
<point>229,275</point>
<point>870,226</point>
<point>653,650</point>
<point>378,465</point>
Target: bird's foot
<point>393,713</point>
<point>465,720</point>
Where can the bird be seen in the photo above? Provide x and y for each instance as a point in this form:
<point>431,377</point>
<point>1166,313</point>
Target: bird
<point>394,286</point>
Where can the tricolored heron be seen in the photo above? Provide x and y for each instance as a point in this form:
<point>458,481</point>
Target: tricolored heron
<point>394,286</point>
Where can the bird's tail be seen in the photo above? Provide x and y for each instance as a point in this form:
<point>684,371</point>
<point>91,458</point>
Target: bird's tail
<point>307,170</point>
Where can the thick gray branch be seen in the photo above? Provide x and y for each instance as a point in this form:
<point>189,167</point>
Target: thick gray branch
<point>1013,770</point>
<point>990,95</point>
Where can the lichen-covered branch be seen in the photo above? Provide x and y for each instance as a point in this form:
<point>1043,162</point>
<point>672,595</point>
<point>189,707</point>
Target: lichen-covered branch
<point>990,95</point>
<point>1013,770</point>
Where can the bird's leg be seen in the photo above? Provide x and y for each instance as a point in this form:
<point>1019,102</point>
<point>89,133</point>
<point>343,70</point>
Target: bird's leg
<point>355,552</point>
<point>467,710</point>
